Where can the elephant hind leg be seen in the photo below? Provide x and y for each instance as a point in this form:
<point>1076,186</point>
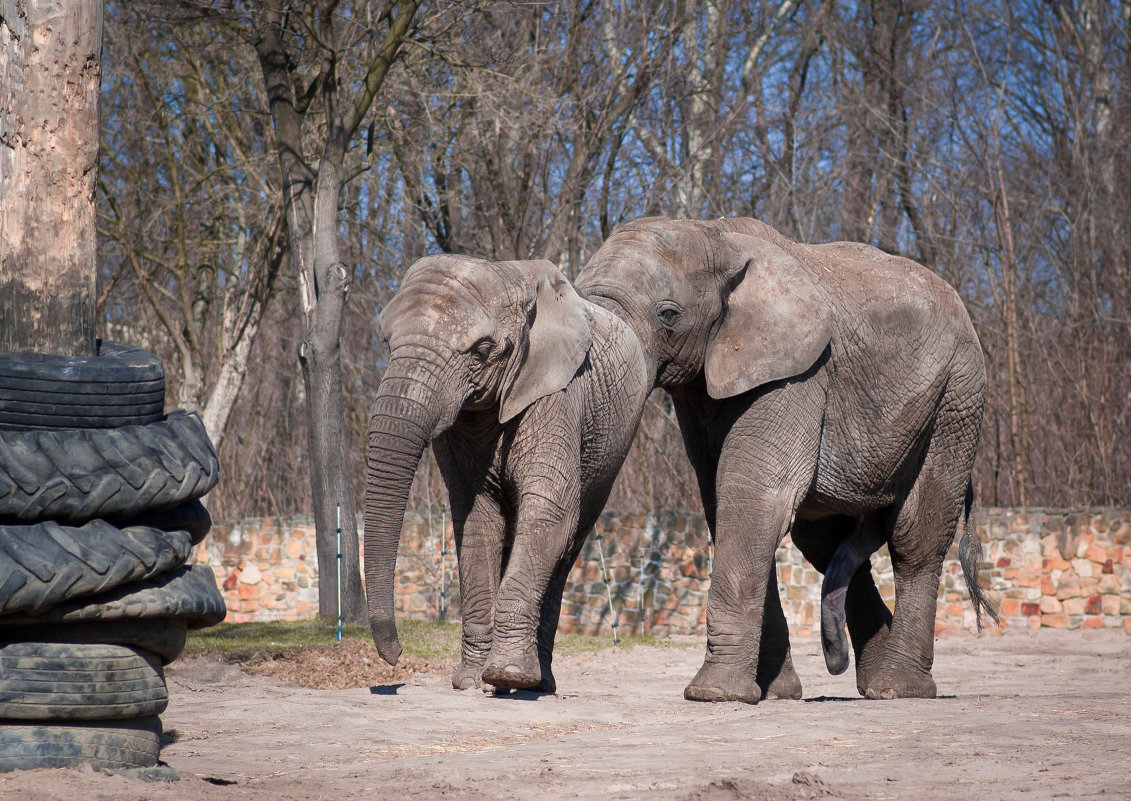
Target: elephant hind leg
<point>923,529</point>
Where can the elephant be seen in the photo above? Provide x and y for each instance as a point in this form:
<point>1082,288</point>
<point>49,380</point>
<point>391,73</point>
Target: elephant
<point>830,392</point>
<point>531,397</point>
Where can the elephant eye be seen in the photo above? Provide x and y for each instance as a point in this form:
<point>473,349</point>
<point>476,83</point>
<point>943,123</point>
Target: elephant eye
<point>668,314</point>
<point>482,349</point>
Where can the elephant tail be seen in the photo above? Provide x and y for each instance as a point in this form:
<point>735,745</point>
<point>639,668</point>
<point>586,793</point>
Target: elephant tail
<point>970,554</point>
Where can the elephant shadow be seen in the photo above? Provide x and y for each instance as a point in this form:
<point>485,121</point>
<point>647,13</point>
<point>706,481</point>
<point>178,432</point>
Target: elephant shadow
<point>520,695</point>
<point>385,689</point>
<point>823,699</point>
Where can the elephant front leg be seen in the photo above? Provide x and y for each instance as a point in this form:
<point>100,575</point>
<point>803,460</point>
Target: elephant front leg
<point>737,600</point>
<point>551,612</point>
<point>776,677</point>
<point>529,594</point>
<point>766,464</point>
<point>479,549</point>
<point>544,463</point>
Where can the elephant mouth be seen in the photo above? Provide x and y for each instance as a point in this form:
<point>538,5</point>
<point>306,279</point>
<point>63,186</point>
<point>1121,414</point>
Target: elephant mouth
<point>672,374</point>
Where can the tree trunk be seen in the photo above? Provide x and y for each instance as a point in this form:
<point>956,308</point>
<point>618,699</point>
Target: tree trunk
<point>1015,376</point>
<point>50,67</point>
<point>320,356</point>
<point>310,197</point>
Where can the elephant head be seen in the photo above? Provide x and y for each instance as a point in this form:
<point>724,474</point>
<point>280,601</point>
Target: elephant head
<point>726,298</point>
<point>463,334</point>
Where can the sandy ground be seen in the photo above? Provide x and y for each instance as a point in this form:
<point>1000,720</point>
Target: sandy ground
<point>1029,715</point>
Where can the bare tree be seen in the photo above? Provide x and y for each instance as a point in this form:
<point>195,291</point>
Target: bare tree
<point>190,211</point>
<point>301,49</point>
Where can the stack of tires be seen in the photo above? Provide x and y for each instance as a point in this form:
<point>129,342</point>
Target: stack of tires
<point>99,511</point>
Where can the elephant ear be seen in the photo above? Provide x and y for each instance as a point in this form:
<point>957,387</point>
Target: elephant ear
<point>776,324</point>
<point>556,343</point>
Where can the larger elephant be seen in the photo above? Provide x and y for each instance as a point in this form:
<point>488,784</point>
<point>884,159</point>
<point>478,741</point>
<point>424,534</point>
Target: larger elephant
<point>531,397</point>
<point>830,392</point>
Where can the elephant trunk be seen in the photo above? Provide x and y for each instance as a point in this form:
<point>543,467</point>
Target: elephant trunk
<point>406,415</point>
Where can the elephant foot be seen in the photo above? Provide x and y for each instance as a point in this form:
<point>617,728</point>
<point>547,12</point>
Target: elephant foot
<point>786,686</point>
<point>716,681</point>
<point>886,684</point>
<point>868,674</point>
<point>520,670</point>
<point>467,677</point>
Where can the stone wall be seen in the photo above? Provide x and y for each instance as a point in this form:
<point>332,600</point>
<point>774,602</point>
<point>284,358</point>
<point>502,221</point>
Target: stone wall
<point>1044,567</point>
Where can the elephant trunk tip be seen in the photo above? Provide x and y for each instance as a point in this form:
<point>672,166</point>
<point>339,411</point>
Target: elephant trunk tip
<point>384,633</point>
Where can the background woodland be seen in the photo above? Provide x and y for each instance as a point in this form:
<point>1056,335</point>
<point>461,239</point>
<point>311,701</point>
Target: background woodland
<point>987,140</point>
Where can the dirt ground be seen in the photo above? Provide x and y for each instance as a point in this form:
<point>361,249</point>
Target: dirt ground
<point>1028,715</point>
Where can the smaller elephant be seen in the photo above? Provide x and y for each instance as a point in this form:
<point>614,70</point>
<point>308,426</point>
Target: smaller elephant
<point>531,397</point>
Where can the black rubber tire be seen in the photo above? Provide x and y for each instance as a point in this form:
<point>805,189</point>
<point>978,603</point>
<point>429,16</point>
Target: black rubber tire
<point>102,744</point>
<point>162,636</point>
<point>122,385</point>
<point>60,682</point>
<point>75,475</point>
<point>189,593</point>
<point>44,564</point>
<point>190,516</point>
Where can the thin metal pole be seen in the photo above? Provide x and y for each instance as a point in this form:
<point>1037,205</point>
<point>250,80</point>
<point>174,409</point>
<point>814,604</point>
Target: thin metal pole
<point>338,635</point>
<point>605,577</point>
<point>443,563</point>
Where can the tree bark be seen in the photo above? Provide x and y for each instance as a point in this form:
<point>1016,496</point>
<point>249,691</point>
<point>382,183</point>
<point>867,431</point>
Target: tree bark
<point>50,68</point>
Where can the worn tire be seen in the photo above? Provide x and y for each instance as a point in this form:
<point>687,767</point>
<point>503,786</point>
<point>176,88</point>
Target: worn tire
<point>44,564</point>
<point>102,744</point>
<point>162,636</point>
<point>190,516</point>
<point>189,593</point>
<point>75,475</point>
<point>122,385</point>
<point>57,682</point>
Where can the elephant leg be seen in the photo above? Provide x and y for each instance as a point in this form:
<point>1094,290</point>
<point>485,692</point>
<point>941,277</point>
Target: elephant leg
<point>867,617</point>
<point>551,612</point>
<point>869,624</point>
<point>545,460</point>
<point>480,541</point>
<point>776,677</point>
<point>923,529</point>
<point>530,591</point>
<point>766,465</point>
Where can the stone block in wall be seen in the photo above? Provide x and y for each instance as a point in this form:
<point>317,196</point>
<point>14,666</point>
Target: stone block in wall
<point>1073,606</point>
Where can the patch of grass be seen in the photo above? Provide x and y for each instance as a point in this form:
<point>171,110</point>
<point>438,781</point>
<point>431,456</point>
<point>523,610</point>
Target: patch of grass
<point>428,640</point>
<point>238,641</point>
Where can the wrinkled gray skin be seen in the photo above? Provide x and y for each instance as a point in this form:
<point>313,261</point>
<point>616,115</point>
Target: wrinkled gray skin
<point>830,392</point>
<point>530,396</point>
